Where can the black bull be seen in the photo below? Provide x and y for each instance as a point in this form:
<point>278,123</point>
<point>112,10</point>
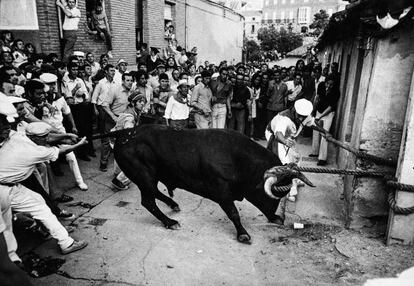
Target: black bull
<point>218,164</point>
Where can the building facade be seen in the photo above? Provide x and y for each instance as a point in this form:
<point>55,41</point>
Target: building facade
<point>252,23</point>
<point>296,13</point>
<point>375,113</point>
<point>216,30</point>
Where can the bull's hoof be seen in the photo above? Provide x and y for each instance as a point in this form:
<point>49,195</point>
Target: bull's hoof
<point>244,238</point>
<point>174,225</point>
<point>278,220</point>
<point>176,209</point>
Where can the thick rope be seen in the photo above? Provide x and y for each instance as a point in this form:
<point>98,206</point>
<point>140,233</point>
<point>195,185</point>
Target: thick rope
<point>392,184</point>
<point>342,171</point>
<point>281,190</point>
<point>363,155</point>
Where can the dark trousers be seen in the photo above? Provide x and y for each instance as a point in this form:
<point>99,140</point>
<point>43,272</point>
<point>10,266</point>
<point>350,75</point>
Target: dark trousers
<point>83,115</point>
<point>271,114</point>
<point>260,123</point>
<point>105,124</point>
<point>179,124</point>
<point>70,37</point>
<point>106,37</point>
<point>32,183</point>
<point>237,120</point>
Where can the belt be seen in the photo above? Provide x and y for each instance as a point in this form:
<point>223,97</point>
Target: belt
<point>8,184</point>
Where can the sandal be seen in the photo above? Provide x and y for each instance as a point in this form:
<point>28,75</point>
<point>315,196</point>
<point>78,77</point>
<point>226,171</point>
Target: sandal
<point>64,199</point>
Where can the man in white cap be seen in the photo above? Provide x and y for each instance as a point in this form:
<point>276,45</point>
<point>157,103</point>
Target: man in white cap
<point>178,109</point>
<point>19,156</point>
<point>9,271</point>
<point>121,68</point>
<point>282,131</point>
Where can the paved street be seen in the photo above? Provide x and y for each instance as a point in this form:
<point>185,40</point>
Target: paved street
<point>128,246</point>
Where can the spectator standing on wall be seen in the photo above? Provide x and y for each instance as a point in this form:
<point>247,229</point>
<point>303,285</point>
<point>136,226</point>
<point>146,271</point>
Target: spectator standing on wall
<point>100,23</point>
<point>70,25</point>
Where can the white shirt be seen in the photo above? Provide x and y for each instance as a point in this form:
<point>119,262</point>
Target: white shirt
<point>70,84</point>
<point>19,156</point>
<point>54,117</point>
<point>101,91</point>
<point>71,23</point>
<point>176,110</point>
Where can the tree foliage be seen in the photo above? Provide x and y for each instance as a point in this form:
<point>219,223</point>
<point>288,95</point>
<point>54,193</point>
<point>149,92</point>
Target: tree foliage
<point>320,21</point>
<point>283,41</point>
<point>253,50</point>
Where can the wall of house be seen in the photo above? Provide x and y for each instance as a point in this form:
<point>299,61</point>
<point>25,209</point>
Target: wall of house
<point>215,31</point>
<point>121,16</point>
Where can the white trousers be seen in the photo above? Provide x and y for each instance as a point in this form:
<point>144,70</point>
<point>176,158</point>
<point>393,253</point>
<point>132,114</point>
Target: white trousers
<point>218,115</point>
<point>24,200</point>
<point>74,167</point>
<point>6,214</point>
<point>319,143</point>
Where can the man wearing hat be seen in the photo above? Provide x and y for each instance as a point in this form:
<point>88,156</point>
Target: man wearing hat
<point>282,131</point>
<point>128,119</point>
<point>178,110</point>
<point>121,68</point>
<point>8,244</point>
<point>19,158</point>
<point>153,60</point>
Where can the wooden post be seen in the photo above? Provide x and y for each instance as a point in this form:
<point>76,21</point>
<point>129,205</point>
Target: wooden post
<point>401,227</point>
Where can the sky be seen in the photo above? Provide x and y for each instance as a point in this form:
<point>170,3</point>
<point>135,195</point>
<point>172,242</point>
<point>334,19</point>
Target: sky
<point>254,4</point>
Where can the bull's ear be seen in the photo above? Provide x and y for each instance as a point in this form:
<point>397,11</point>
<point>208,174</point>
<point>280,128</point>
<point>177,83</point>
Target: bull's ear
<point>303,178</point>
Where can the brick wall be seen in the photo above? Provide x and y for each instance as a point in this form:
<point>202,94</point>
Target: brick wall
<point>154,23</point>
<point>121,16</point>
<point>122,23</point>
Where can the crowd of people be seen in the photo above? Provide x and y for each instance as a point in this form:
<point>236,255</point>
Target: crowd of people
<point>50,108</point>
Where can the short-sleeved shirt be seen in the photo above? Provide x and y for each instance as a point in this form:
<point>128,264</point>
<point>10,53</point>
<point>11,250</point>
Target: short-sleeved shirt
<point>71,23</point>
<point>201,97</point>
<point>19,156</point>
<point>117,99</point>
<point>69,84</point>
<point>54,115</point>
<point>101,91</point>
<point>284,124</point>
<point>176,110</point>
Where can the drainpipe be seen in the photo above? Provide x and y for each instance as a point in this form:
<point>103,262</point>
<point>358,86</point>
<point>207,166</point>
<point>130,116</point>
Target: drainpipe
<point>185,25</point>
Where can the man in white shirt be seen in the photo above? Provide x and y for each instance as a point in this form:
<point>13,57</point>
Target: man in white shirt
<point>98,98</point>
<point>178,110</point>
<point>70,25</point>
<point>19,156</point>
<point>121,66</point>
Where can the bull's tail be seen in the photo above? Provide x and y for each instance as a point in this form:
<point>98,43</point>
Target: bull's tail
<point>113,134</point>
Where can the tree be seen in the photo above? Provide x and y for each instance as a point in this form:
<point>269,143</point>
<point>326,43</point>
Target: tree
<point>320,21</point>
<point>252,50</point>
<point>283,41</point>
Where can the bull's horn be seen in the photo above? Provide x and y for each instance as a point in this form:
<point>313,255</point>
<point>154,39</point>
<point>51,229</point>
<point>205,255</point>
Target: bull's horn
<point>303,178</point>
<point>268,187</point>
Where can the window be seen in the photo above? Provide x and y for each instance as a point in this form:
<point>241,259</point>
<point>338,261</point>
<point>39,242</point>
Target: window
<point>253,19</point>
<point>169,29</point>
<point>304,15</point>
<point>267,3</point>
<point>252,32</point>
<point>275,2</point>
<point>291,15</point>
<point>266,15</point>
<point>283,1</point>
<point>274,15</point>
<point>282,15</point>
<point>14,18</point>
